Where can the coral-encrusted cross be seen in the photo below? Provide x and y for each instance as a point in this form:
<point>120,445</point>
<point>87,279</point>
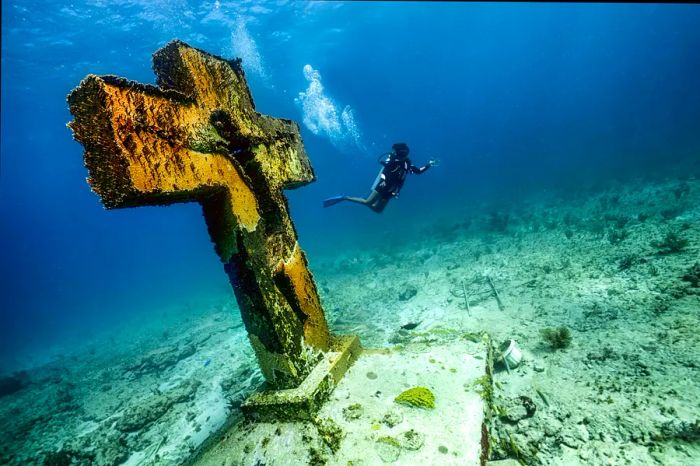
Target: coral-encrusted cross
<point>197,137</point>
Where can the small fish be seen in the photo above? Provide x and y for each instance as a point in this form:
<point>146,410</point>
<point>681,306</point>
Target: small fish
<point>206,363</point>
<point>410,325</point>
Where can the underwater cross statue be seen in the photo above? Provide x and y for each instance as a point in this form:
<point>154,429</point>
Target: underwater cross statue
<point>197,137</point>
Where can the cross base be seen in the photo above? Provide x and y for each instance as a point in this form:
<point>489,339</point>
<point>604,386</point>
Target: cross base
<point>361,424</point>
<point>304,401</point>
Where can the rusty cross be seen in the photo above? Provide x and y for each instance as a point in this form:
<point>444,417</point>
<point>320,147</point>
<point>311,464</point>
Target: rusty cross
<point>197,137</point>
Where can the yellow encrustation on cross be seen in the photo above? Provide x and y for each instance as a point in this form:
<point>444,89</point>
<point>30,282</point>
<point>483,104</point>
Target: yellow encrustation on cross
<point>197,137</point>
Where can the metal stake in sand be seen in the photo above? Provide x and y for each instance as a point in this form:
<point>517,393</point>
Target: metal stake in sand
<point>495,293</point>
<point>197,138</point>
<point>466,298</point>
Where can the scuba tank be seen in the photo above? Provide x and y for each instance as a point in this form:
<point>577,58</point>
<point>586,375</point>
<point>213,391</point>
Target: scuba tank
<point>379,175</point>
<point>385,154</point>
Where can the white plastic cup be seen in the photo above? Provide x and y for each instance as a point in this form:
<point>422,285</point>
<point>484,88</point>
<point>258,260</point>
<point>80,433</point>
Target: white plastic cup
<point>512,355</point>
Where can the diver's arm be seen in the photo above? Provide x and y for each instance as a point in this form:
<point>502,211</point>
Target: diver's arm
<point>419,170</point>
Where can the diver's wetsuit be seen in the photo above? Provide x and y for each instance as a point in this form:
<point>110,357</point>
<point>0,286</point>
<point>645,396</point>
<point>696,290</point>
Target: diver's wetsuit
<point>394,174</point>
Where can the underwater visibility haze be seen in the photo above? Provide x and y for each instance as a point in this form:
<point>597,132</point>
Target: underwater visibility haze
<point>568,137</point>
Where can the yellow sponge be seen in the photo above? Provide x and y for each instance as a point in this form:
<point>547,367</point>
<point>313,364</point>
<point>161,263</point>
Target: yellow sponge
<point>420,397</point>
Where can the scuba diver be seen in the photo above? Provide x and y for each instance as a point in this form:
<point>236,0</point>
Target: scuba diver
<point>397,165</point>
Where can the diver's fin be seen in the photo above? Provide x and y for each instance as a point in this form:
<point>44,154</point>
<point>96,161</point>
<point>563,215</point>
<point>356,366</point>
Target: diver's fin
<point>332,201</point>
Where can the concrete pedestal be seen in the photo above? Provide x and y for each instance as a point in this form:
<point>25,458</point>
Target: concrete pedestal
<point>361,424</point>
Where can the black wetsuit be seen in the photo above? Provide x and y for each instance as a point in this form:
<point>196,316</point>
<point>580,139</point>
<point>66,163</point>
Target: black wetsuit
<point>394,174</point>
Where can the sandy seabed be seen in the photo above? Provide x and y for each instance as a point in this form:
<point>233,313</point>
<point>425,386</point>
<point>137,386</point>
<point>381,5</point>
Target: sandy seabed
<point>620,269</point>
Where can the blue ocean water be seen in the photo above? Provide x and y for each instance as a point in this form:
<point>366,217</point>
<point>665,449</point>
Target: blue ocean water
<point>513,98</point>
